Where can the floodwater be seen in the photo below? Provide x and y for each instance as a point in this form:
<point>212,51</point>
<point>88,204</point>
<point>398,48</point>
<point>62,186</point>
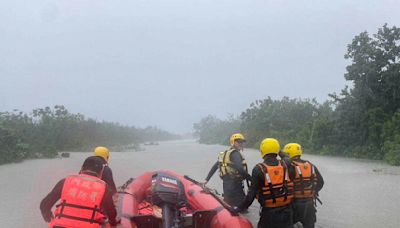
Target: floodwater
<point>357,193</point>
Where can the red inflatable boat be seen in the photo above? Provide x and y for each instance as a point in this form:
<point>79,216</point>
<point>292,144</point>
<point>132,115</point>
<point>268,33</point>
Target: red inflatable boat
<point>167,199</point>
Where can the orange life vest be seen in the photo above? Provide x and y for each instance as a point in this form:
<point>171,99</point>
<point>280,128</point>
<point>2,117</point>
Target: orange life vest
<point>305,180</point>
<point>80,203</point>
<point>277,190</point>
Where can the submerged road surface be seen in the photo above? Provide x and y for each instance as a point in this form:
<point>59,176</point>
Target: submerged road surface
<point>357,193</point>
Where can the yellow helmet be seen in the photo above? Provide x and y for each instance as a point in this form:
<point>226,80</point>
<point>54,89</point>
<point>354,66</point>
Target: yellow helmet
<point>293,149</point>
<point>269,146</point>
<point>235,137</point>
<point>102,152</point>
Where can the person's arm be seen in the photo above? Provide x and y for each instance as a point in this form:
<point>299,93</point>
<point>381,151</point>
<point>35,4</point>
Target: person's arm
<point>48,202</point>
<point>108,178</point>
<point>256,181</point>
<point>212,171</point>
<point>236,159</point>
<point>286,159</point>
<point>109,208</point>
<point>320,180</point>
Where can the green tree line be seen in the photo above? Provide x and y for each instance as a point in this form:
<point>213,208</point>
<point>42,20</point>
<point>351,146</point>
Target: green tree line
<point>362,121</point>
<point>45,131</point>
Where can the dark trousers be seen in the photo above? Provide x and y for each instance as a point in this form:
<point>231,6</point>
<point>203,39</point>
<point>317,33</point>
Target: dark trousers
<point>305,212</point>
<point>233,190</point>
<point>281,217</point>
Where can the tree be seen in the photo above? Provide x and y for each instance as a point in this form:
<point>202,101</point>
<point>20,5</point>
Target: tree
<point>375,96</point>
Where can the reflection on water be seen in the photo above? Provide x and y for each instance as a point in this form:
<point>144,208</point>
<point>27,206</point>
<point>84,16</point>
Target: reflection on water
<point>356,194</point>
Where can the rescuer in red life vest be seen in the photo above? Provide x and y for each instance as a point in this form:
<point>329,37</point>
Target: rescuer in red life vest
<point>84,199</point>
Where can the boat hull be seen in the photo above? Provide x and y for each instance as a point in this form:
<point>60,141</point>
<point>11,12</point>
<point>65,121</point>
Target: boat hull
<point>207,211</point>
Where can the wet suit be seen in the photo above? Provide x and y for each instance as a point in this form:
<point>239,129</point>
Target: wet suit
<point>232,185</point>
<point>47,203</point>
<point>304,209</point>
<point>108,176</point>
<point>280,217</point>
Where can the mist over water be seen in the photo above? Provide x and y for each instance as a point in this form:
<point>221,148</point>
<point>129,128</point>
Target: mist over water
<point>176,61</point>
<point>357,193</point>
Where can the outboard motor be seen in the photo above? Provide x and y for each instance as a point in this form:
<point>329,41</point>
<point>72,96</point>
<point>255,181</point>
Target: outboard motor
<point>169,194</point>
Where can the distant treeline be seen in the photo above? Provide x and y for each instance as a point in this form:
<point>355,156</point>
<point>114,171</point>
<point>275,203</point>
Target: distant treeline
<point>362,121</point>
<point>45,131</point>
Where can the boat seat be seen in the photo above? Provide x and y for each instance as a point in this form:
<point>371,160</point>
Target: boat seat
<point>146,221</point>
<point>201,219</point>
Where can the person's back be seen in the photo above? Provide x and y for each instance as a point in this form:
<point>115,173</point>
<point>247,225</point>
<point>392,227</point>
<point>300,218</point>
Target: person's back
<point>80,199</point>
<point>272,187</point>
<point>307,183</point>
<point>84,199</point>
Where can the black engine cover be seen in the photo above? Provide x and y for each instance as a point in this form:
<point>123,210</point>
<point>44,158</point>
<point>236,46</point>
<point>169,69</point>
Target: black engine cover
<point>167,189</point>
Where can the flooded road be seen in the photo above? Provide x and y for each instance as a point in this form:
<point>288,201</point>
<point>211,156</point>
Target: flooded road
<point>357,193</point>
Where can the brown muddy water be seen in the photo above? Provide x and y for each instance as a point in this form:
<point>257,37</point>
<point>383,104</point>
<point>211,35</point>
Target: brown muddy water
<point>357,193</point>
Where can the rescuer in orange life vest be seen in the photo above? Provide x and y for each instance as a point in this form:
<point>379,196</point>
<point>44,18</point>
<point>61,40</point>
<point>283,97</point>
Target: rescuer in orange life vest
<point>307,183</point>
<point>85,200</point>
<point>271,184</point>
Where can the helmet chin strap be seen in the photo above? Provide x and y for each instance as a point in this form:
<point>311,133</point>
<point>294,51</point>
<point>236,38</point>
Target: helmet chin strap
<point>101,172</point>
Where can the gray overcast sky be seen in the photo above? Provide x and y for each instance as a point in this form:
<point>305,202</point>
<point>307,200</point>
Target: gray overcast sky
<point>171,62</point>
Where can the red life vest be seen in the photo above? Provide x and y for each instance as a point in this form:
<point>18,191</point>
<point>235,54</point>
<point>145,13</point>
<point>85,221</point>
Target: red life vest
<point>80,203</point>
<point>305,180</point>
<point>277,190</point>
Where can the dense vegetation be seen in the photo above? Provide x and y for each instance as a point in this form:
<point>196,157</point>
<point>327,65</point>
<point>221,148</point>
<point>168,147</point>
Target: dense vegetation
<point>45,131</point>
<point>362,121</point>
